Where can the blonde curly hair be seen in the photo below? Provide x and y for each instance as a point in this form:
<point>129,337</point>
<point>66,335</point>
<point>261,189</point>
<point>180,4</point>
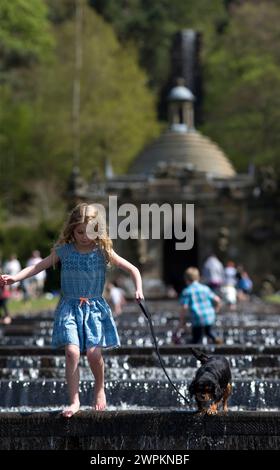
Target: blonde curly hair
<point>87,214</point>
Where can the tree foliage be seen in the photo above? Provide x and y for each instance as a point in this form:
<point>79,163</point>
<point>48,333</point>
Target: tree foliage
<point>25,32</point>
<point>117,115</point>
<point>137,20</point>
<point>243,86</point>
<point>241,69</point>
<point>117,110</point>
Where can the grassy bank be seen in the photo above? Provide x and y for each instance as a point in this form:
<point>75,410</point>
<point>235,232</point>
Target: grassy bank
<point>33,306</point>
<point>274,298</point>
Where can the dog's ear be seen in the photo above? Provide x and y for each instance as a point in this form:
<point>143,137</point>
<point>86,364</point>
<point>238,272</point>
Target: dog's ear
<point>218,393</point>
<point>192,388</point>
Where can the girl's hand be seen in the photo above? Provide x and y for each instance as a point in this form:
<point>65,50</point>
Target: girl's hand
<point>139,295</point>
<point>2,281</point>
<point>5,279</point>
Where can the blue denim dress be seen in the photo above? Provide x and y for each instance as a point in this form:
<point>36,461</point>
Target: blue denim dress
<point>83,316</point>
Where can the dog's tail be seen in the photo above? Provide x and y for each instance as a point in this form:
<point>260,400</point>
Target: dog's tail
<point>201,356</point>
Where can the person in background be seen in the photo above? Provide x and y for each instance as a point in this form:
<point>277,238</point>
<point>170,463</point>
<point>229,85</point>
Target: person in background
<point>200,301</point>
<point>12,267</point>
<point>213,273</point>
<point>229,288</point>
<point>35,285</point>
<point>244,284</point>
<point>117,297</point>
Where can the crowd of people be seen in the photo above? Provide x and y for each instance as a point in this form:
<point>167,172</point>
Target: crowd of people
<point>231,282</point>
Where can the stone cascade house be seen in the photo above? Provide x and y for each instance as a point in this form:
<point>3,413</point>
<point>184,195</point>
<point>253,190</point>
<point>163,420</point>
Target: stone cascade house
<point>235,215</point>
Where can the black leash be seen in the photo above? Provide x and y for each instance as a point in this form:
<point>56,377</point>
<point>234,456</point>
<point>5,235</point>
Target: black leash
<point>148,316</point>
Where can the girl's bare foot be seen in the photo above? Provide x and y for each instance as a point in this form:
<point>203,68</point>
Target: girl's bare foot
<point>99,400</point>
<point>70,410</point>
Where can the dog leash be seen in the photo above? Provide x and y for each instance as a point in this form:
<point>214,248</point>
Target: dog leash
<point>149,318</point>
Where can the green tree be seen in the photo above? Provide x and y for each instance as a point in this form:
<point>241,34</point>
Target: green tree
<point>25,40</point>
<point>152,24</point>
<point>117,111</point>
<point>117,116</point>
<point>16,128</point>
<point>25,32</point>
<point>243,86</point>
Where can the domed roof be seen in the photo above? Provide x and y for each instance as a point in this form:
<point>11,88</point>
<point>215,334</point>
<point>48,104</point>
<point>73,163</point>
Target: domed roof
<point>184,149</point>
<point>180,93</point>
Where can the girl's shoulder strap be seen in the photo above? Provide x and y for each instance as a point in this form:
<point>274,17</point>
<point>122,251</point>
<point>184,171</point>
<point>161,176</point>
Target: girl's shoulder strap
<point>62,250</point>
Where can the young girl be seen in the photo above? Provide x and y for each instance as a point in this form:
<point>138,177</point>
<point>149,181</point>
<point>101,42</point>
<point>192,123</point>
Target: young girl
<point>83,319</point>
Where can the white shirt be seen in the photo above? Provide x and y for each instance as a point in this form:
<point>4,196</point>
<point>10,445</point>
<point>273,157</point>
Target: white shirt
<point>213,270</point>
<point>116,294</point>
<point>230,276</point>
<point>12,267</point>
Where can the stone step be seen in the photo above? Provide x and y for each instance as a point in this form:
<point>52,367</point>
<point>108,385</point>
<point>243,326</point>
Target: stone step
<point>140,430</point>
<point>236,349</point>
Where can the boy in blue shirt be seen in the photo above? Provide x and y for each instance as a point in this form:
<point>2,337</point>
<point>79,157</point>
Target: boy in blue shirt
<point>201,302</point>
